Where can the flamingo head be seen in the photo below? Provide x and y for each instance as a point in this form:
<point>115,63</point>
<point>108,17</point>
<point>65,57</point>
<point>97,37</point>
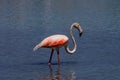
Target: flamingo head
<point>78,27</point>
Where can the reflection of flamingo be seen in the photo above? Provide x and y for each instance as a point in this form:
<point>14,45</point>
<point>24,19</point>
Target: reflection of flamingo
<point>57,41</point>
<point>58,75</point>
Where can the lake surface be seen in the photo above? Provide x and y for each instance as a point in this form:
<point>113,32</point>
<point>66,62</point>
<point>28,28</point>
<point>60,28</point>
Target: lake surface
<point>24,23</point>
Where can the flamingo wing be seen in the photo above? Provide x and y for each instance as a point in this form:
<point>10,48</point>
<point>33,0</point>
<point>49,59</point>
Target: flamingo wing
<point>54,41</point>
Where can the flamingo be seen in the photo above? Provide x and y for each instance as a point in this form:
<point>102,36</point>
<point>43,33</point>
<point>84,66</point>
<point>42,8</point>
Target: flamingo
<point>57,41</point>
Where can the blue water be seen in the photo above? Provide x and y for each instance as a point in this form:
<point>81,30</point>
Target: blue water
<point>24,23</point>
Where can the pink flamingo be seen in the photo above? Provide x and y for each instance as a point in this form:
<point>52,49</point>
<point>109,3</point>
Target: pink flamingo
<point>56,41</point>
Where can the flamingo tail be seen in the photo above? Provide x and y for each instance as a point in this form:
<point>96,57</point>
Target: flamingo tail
<point>36,47</point>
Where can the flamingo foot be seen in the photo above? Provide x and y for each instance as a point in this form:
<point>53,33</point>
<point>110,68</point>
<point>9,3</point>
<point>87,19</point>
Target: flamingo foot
<point>49,63</point>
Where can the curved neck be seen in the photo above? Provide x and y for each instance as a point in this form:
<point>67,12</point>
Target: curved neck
<point>74,43</point>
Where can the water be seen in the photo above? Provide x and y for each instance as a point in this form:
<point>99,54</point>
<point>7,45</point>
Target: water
<point>24,23</point>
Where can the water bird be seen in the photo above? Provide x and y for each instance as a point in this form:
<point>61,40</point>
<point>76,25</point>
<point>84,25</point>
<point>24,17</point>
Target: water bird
<point>57,41</point>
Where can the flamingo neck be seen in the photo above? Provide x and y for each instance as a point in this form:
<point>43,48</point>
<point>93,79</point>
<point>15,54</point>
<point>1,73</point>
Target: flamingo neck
<point>74,43</point>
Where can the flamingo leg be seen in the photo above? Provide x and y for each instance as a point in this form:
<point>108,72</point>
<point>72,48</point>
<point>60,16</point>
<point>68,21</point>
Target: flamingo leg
<point>58,54</point>
<point>49,62</point>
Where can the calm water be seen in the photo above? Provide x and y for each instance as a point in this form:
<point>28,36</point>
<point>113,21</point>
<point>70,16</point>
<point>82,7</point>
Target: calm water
<point>24,23</point>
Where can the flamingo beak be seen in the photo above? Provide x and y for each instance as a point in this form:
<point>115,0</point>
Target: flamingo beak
<point>80,34</point>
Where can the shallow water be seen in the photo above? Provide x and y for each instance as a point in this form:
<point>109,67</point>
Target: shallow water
<point>24,23</point>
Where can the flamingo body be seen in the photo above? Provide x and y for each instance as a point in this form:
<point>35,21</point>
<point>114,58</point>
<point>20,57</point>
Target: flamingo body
<point>54,41</point>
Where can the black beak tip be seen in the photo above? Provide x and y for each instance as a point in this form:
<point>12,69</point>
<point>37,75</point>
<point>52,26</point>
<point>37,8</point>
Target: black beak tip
<point>80,34</point>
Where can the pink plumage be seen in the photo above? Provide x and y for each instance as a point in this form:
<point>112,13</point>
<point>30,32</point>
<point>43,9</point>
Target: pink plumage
<point>54,41</point>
